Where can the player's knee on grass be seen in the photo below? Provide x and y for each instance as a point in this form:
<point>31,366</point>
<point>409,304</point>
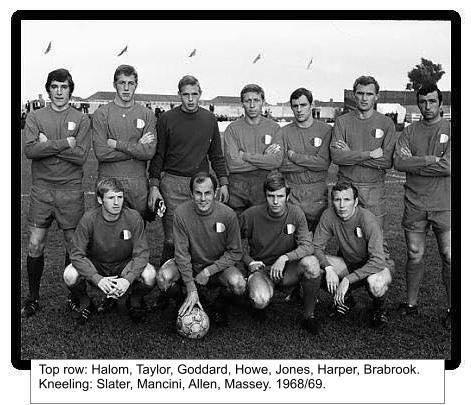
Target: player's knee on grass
<point>260,291</point>
<point>71,276</point>
<point>378,283</point>
<point>167,275</point>
<point>311,267</point>
<point>36,246</point>
<point>149,276</point>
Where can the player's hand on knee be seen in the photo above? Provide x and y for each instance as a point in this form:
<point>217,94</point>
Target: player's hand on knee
<point>256,266</point>
<point>332,279</point>
<point>190,301</point>
<point>121,285</point>
<point>106,285</point>
<point>202,277</point>
<point>341,291</point>
<point>154,195</point>
<point>276,271</point>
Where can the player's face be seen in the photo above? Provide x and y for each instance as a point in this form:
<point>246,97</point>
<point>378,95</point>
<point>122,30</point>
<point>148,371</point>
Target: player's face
<point>429,106</point>
<point>125,87</point>
<point>190,96</point>
<point>301,108</point>
<point>112,203</point>
<point>252,103</point>
<point>344,204</point>
<point>59,93</point>
<point>276,201</point>
<point>365,97</point>
<point>203,195</point>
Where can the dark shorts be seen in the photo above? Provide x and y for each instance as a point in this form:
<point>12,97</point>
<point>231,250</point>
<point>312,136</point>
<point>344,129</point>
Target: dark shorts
<point>417,220</point>
<point>65,206</point>
<point>246,190</point>
<point>175,190</point>
<point>136,190</point>
<point>312,199</point>
<point>372,197</point>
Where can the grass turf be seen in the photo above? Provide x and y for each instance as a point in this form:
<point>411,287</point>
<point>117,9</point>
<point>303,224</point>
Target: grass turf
<point>53,334</point>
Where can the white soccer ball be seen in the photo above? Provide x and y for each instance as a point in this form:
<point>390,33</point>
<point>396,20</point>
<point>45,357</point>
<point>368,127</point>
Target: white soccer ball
<point>193,325</point>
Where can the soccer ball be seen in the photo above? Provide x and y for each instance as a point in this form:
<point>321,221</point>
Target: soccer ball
<point>193,325</point>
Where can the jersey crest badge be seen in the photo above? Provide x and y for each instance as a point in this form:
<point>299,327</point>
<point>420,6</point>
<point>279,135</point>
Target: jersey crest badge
<point>267,139</point>
<point>140,123</point>
<point>289,229</point>
<point>219,227</point>
<point>359,232</point>
<point>125,234</point>
<point>379,133</point>
<point>444,138</point>
<point>316,142</point>
<point>71,125</point>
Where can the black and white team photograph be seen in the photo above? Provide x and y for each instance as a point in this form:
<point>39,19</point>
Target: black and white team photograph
<point>275,188</point>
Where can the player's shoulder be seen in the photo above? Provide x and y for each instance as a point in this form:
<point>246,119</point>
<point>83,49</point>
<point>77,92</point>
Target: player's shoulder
<point>382,118</point>
<point>239,122</point>
<point>225,209</point>
<point>347,117</point>
<point>294,209</point>
<point>321,126</point>
<point>183,208</point>
<point>269,123</point>
<point>90,215</point>
<point>367,217</point>
<point>206,114</point>
<point>131,214</point>
<point>328,216</point>
<point>255,211</point>
<point>77,115</point>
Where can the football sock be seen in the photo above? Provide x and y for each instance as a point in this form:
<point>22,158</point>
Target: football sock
<point>446,277</point>
<point>137,292</point>
<point>35,267</point>
<point>66,259</point>
<point>378,302</point>
<point>168,252</point>
<point>414,274</point>
<point>311,288</point>
<point>79,292</point>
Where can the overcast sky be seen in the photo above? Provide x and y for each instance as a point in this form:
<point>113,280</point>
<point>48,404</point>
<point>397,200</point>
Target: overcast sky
<point>225,50</point>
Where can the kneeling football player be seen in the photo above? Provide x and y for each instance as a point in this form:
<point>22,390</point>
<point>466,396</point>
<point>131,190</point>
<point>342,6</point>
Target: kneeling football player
<point>281,250</point>
<point>110,251</point>
<point>361,259</point>
<point>207,246</point>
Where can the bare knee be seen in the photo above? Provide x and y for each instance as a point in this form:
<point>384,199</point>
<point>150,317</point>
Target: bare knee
<point>415,252</point>
<point>237,284</point>
<point>149,275</point>
<point>167,275</point>
<point>311,267</point>
<point>36,247</point>
<point>71,276</point>
<point>260,295</point>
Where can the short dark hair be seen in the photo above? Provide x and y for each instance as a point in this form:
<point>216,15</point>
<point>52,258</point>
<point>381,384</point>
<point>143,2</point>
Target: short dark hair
<point>188,80</point>
<point>299,93</point>
<point>252,88</point>
<point>342,185</point>
<point>60,75</point>
<point>428,88</point>
<point>126,70</point>
<point>275,181</point>
<point>108,184</point>
<point>365,81</point>
<point>200,177</point>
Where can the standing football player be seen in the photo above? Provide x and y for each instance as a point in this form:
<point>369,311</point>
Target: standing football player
<point>363,145</point>
<point>207,246</point>
<point>279,251</point>
<point>57,140</point>
<point>361,260</point>
<point>124,139</point>
<point>252,149</point>
<point>423,151</point>
<point>306,157</point>
<point>187,136</point>
<point>109,251</point>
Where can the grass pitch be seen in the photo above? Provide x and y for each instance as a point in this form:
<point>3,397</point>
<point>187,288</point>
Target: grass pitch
<point>53,334</point>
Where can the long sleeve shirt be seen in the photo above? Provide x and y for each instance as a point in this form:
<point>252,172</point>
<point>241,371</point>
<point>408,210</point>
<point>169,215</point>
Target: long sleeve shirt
<point>270,237</point>
<point>363,136</point>
<point>428,182</point>
<point>252,140</point>
<point>185,141</point>
<point>310,147</point>
<point>126,125</point>
<point>54,162</point>
<point>360,241</point>
<point>104,248</point>
<point>205,240</point>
